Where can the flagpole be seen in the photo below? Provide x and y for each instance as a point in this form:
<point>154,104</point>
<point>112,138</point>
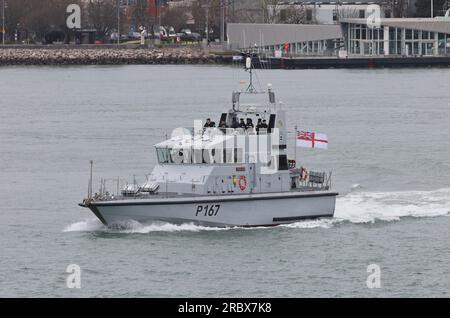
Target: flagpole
<point>295,145</point>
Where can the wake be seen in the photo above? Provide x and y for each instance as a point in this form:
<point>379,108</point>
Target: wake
<point>355,207</point>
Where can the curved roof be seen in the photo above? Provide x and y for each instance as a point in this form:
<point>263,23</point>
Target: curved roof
<point>441,25</point>
<point>243,35</point>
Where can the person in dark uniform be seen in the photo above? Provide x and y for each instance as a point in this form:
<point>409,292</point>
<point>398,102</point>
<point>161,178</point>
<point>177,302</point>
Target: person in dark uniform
<point>263,127</point>
<point>208,123</point>
<point>258,125</point>
<point>249,123</point>
<point>264,124</point>
<point>234,123</point>
<point>242,124</point>
<point>223,124</point>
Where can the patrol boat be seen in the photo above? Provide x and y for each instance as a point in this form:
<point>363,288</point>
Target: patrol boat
<point>223,177</point>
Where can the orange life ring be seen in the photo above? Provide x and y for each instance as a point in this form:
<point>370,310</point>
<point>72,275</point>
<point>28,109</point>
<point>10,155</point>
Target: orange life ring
<point>242,183</point>
<point>303,174</point>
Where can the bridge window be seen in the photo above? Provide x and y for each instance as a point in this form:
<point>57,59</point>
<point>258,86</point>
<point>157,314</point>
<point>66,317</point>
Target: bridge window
<point>163,155</point>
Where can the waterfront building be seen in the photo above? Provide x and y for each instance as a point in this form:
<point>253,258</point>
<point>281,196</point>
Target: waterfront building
<point>397,37</point>
<point>405,37</point>
<point>288,39</point>
<point>325,12</point>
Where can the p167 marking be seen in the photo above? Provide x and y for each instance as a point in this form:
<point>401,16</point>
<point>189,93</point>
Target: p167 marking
<point>208,210</point>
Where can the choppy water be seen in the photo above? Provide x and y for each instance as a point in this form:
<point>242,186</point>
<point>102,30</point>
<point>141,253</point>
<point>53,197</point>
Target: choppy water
<point>390,153</point>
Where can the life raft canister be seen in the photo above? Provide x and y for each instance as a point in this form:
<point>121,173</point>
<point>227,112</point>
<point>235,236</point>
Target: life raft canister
<point>303,174</point>
<point>242,183</point>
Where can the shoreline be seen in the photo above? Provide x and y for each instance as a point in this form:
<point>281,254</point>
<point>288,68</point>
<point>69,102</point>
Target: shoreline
<point>194,55</point>
<point>20,56</point>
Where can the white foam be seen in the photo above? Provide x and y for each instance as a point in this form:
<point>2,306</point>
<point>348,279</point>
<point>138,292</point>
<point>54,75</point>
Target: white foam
<point>311,224</point>
<point>94,225</point>
<point>355,207</point>
<point>136,227</point>
<point>90,225</point>
<point>364,207</point>
<point>369,207</point>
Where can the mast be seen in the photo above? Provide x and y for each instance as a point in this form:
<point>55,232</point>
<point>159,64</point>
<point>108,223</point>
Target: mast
<point>90,181</point>
<point>251,89</point>
<point>249,68</point>
<point>295,145</point>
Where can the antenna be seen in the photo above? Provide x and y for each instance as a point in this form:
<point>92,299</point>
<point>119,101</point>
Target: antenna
<point>235,100</point>
<point>90,180</point>
<point>271,94</point>
<point>249,67</point>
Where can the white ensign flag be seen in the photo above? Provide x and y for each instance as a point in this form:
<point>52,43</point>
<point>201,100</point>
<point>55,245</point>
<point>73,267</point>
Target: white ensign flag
<point>312,140</point>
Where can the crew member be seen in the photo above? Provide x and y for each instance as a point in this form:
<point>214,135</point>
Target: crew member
<point>223,124</point>
<point>264,124</point>
<point>249,123</point>
<point>258,125</point>
<point>242,124</point>
<point>208,123</point>
<point>234,123</point>
<point>263,127</point>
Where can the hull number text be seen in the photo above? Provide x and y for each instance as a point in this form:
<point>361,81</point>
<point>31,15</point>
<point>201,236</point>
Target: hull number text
<point>207,210</point>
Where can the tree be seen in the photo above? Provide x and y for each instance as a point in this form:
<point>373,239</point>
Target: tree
<point>269,9</point>
<point>293,15</point>
<point>103,16</point>
<point>199,11</point>
<point>423,8</point>
<point>399,8</point>
<point>175,17</point>
<point>36,18</point>
<point>14,13</point>
<point>141,15</point>
<point>199,15</point>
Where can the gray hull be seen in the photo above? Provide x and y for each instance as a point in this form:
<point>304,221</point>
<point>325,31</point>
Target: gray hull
<point>238,210</point>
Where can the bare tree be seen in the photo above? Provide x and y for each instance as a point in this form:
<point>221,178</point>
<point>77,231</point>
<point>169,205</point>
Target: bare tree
<point>248,13</point>
<point>269,9</point>
<point>141,14</point>
<point>175,17</point>
<point>293,15</point>
<point>16,12</point>
<point>244,16</point>
<point>37,18</point>
<point>103,16</point>
<point>199,11</point>
<point>199,15</point>
<point>423,8</point>
<point>399,8</point>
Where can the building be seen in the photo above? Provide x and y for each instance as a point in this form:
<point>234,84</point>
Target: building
<point>397,37</point>
<point>291,39</point>
<point>308,11</point>
<point>325,12</point>
<point>353,37</point>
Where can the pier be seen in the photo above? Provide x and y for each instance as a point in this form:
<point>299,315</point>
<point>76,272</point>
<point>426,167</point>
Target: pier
<point>354,62</point>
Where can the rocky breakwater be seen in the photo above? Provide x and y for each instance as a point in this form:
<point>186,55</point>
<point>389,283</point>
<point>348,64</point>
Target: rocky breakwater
<point>108,56</point>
